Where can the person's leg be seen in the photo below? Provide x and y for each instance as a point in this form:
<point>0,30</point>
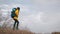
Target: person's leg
<point>14,24</point>
<point>17,24</point>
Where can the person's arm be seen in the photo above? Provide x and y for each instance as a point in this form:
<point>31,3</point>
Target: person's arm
<point>17,12</point>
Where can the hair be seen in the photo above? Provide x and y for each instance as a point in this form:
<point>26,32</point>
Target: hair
<point>18,8</point>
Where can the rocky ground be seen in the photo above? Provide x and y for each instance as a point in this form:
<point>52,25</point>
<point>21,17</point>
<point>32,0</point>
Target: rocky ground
<point>10,31</point>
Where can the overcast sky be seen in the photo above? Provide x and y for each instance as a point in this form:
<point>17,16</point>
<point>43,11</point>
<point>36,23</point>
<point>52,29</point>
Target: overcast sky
<point>37,15</point>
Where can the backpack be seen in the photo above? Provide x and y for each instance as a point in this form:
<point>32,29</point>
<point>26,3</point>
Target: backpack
<point>13,12</point>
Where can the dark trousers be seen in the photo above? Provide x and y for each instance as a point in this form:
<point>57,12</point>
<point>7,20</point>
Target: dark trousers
<point>16,24</point>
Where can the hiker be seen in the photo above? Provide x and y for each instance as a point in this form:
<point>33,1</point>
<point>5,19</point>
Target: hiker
<point>14,15</point>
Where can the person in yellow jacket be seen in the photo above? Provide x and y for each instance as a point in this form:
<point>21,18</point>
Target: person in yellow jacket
<point>15,18</point>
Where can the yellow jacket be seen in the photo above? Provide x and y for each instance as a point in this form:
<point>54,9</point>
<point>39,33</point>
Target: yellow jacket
<point>17,13</point>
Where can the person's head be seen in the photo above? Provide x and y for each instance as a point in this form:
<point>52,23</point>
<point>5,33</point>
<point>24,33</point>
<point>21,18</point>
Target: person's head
<point>18,8</point>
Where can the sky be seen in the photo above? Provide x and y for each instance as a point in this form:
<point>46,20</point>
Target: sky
<point>37,15</point>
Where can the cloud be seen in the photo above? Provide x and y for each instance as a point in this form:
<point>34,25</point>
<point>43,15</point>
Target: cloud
<point>45,1</point>
<point>47,5</point>
<point>43,22</point>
